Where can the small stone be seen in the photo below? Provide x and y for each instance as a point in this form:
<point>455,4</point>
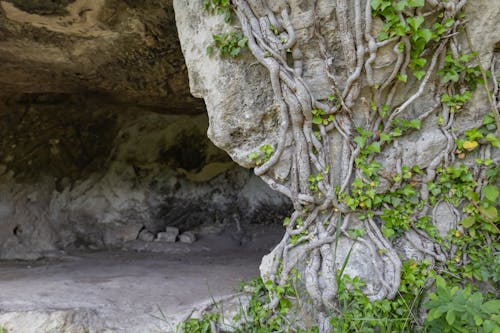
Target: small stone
<point>187,237</point>
<point>115,235</point>
<point>172,230</point>
<point>146,235</point>
<point>169,236</point>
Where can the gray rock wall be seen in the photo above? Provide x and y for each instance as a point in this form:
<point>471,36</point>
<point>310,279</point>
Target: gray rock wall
<point>100,137</point>
<point>244,111</point>
<point>159,171</point>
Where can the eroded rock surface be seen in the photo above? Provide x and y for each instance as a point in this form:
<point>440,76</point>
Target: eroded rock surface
<point>101,139</point>
<point>127,51</point>
<point>244,104</point>
<point>159,171</point>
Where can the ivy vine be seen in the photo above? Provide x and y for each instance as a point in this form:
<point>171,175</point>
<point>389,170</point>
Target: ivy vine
<point>456,283</point>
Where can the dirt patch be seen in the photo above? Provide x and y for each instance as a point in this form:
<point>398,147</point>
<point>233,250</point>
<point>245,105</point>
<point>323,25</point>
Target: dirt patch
<point>125,291</point>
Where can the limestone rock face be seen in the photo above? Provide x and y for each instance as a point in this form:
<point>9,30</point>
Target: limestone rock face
<point>160,171</point>
<point>71,321</point>
<point>244,113</point>
<point>100,137</point>
<point>127,51</point>
<point>241,107</point>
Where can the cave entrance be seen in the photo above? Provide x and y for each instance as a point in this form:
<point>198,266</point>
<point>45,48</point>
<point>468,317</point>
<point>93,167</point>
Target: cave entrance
<point>98,199</point>
<point>116,211</point>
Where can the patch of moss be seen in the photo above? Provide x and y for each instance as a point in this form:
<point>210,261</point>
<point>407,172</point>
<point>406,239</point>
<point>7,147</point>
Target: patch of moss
<point>42,7</point>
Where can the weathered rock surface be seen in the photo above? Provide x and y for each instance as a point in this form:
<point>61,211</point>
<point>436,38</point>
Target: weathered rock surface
<point>244,114</point>
<point>169,235</point>
<point>57,321</point>
<point>146,235</point>
<point>93,148</point>
<point>187,237</point>
<point>238,93</point>
<point>125,51</point>
<point>159,171</point>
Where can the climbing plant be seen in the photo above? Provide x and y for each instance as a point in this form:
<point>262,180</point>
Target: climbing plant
<point>353,195</point>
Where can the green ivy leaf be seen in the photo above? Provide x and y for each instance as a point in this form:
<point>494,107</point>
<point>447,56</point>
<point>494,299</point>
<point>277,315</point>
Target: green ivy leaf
<point>374,147</point>
<point>419,74</point>
<point>397,132</point>
<point>493,140</point>
<point>243,42</point>
<point>385,137</point>
<point>416,3</point>
<point>426,34</point>
<point>317,120</point>
<point>419,62</point>
<point>360,140</point>
<point>379,4</point>
<point>400,6</point>
<point>402,77</point>
<point>490,212</point>
<point>415,123</point>
<point>450,75</point>
<point>468,221</point>
<point>490,192</point>
<point>415,22</point>
<point>388,232</point>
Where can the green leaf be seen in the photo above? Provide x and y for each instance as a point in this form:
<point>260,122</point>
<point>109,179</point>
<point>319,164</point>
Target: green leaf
<point>426,34</point>
<point>433,315</point>
<point>402,77</point>
<point>491,192</point>
<point>493,140</point>
<point>440,282</point>
<point>416,3</point>
<point>415,123</point>
<point>376,4</point>
<point>450,317</point>
<point>397,132</point>
<point>489,119</point>
<point>317,120</point>
<point>490,326</point>
<point>242,42</point>
<point>360,140</point>
<point>388,232</point>
<point>490,212</point>
<point>419,62</point>
<point>415,22</point>
<point>449,22</point>
<point>382,35</point>
<point>374,147</point>
<point>473,134</point>
<point>450,75</point>
<point>419,74</point>
<point>491,306</point>
<point>400,6</point>
<point>385,137</point>
<point>468,221</point>
<point>234,52</point>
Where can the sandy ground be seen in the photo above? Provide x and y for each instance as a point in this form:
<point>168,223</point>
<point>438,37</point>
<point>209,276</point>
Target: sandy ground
<point>126,290</point>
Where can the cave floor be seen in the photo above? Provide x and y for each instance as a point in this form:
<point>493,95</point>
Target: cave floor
<point>125,290</point>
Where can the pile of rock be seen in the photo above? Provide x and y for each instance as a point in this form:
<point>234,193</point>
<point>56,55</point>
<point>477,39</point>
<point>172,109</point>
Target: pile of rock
<point>170,235</point>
